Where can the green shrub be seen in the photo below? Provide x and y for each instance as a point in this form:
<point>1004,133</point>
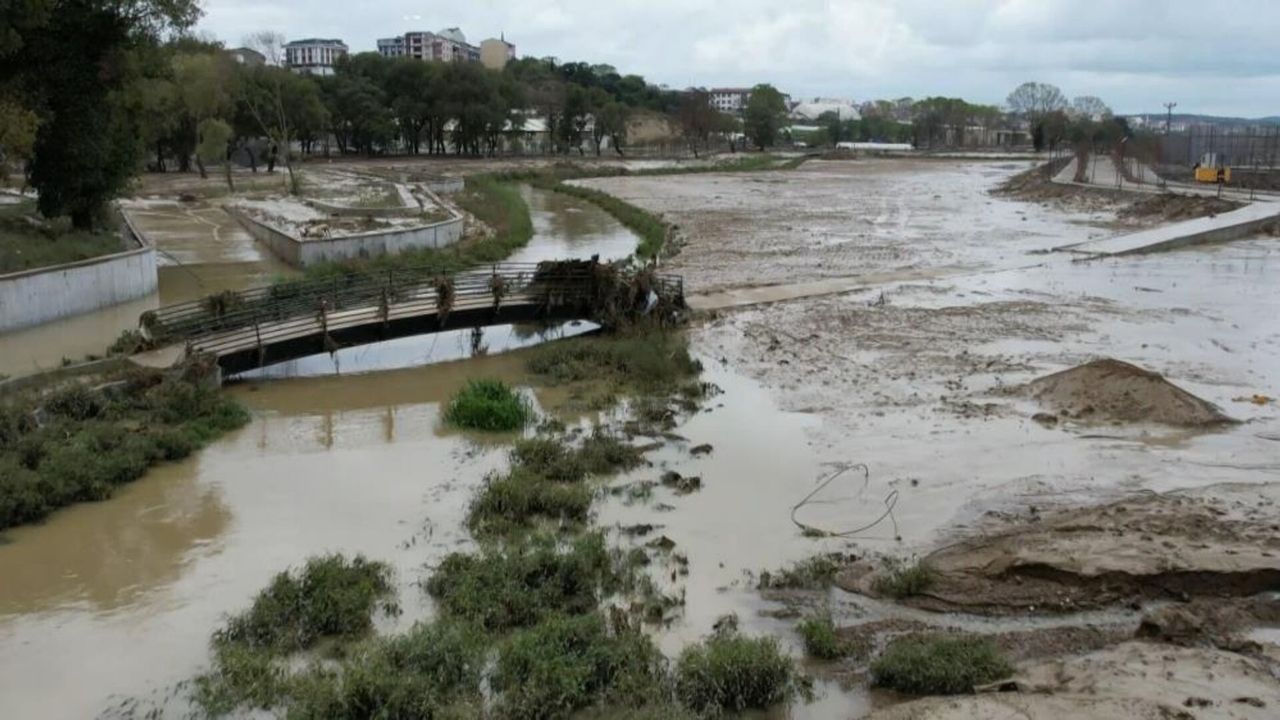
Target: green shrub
<point>432,671</point>
<point>812,573</point>
<point>902,579</point>
<point>240,676</point>
<point>508,587</point>
<point>939,664</point>
<point>549,457</point>
<point>329,596</point>
<point>649,362</point>
<point>489,405</point>
<point>603,453</point>
<point>520,498</point>
<point>75,403</point>
<point>567,663</point>
<point>818,632</point>
<point>731,673</point>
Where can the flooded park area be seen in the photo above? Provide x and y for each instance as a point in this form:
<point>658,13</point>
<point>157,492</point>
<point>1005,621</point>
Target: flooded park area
<point>880,343</point>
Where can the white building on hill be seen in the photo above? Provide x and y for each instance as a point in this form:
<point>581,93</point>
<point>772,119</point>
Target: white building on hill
<point>314,56</point>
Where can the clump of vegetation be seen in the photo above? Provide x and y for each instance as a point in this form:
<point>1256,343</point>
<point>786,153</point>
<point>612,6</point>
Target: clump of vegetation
<point>567,663</point>
<point>329,597</point>
<point>432,671</point>
<point>517,499</point>
<point>89,442</point>
<point>648,363</point>
<point>729,672</point>
<point>545,482</point>
<point>509,587</point>
<point>901,579</point>
<point>818,632</point>
<point>488,405</point>
<point>814,573</point>
<point>939,664</point>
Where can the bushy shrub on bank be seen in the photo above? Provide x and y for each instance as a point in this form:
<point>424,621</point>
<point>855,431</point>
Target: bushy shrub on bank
<point>78,444</point>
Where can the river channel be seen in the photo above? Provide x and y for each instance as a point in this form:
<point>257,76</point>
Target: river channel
<point>107,607</point>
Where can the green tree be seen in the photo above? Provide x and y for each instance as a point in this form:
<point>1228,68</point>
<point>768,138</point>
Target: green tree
<point>612,120</point>
<point>206,90</point>
<point>75,64</point>
<point>764,116</point>
<point>215,137</point>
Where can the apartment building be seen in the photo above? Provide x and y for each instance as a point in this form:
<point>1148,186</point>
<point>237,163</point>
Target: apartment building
<point>314,56</point>
<point>448,45</point>
<point>495,53</point>
<point>730,100</point>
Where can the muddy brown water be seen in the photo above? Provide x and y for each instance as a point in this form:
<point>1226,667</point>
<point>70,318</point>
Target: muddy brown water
<point>112,603</point>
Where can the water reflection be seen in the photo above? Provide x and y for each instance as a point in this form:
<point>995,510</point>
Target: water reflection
<point>108,555</point>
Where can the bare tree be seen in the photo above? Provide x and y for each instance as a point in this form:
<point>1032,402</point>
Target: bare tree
<point>270,44</point>
<point>1090,107</point>
<point>1034,100</point>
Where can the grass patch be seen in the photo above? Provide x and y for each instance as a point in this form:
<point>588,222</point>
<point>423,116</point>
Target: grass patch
<point>88,442</point>
<point>546,483</point>
<point>731,673</point>
<point>501,588</point>
<point>818,632</point>
<point>432,671</point>
<point>646,363</point>
<point>488,405</point>
<point>329,597</point>
<point>939,664</point>
<point>901,579</point>
<point>518,499</point>
<point>28,241</point>
<point>568,663</point>
<point>814,573</point>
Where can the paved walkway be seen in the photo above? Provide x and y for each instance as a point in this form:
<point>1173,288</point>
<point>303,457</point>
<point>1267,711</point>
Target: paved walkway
<point>1248,220</point>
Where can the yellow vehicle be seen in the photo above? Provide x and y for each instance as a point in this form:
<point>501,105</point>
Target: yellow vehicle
<point>1212,168</point>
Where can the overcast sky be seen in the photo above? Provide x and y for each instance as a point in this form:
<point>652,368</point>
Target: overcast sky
<point>1211,56</point>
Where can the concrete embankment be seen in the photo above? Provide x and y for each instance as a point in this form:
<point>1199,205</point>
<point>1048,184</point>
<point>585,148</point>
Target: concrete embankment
<point>32,297</point>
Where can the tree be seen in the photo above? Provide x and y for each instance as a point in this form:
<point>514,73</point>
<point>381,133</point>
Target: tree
<point>215,139</point>
<point>612,122</point>
<point>74,64</point>
<point>205,83</point>
<point>1090,107</point>
<point>1033,100</point>
<point>764,116</point>
<point>17,133</point>
<point>697,118</point>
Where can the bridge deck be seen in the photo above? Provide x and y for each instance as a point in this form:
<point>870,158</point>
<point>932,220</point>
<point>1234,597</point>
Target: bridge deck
<point>267,325</point>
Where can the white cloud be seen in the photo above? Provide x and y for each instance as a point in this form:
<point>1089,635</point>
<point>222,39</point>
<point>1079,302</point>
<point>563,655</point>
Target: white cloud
<point>1212,57</point>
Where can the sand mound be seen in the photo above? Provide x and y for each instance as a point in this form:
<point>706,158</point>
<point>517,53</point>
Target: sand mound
<point>1114,391</point>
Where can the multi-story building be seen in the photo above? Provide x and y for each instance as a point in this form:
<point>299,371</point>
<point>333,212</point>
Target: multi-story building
<point>495,53</point>
<point>314,56</point>
<point>448,45</point>
<point>730,100</point>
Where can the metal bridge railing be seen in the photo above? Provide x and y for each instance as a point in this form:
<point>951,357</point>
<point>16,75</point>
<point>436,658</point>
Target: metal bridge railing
<point>555,282</point>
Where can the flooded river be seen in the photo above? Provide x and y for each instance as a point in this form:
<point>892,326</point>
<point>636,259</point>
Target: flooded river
<point>127,591</point>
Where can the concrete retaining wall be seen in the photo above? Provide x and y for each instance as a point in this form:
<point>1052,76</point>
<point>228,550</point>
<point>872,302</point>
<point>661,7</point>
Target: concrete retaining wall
<point>38,296</point>
<point>301,253</point>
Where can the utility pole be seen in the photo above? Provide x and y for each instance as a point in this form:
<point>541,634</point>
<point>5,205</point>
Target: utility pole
<point>1168,121</point>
